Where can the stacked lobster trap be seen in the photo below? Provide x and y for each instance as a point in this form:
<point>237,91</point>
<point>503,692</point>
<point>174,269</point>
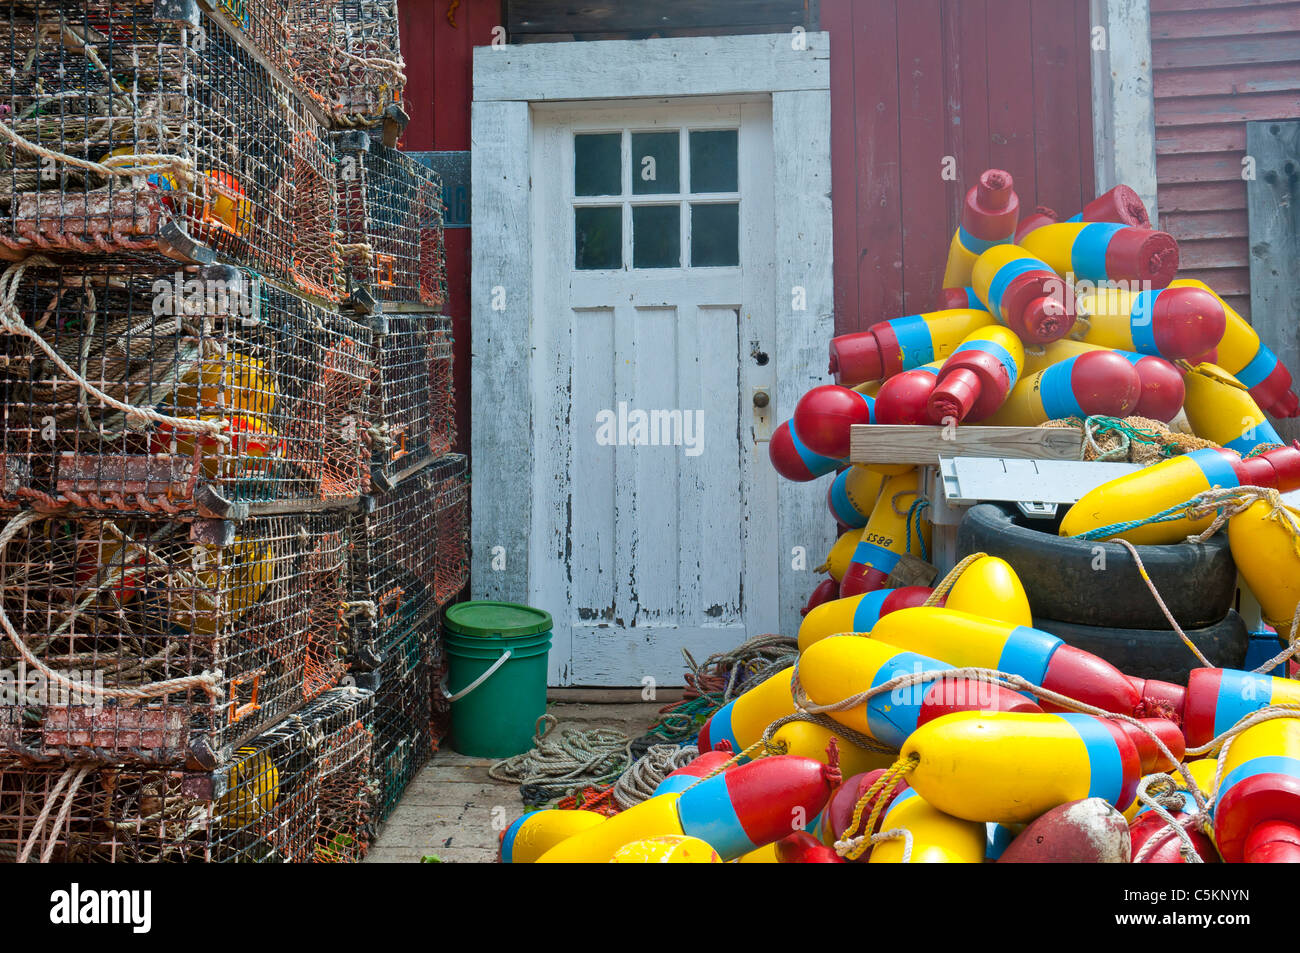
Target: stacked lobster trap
<point>199,380</point>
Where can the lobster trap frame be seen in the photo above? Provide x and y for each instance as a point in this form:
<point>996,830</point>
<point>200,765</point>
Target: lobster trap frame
<point>128,131</point>
<point>442,386</point>
<point>154,641</point>
<point>390,222</point>
<point>299,792</point>
<point>392,567</point>
<point>134,387</point>
<point>402,724</point>
<point>397,429</point>
<point>449,482</point>
<point>347,56</point>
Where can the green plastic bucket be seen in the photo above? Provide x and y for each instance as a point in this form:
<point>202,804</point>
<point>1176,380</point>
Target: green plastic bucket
<point>496,676</point>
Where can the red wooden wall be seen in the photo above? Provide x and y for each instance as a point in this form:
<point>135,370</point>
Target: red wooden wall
<point>438,37</point>
<point>1218,64</point>
<point>1002,83</point>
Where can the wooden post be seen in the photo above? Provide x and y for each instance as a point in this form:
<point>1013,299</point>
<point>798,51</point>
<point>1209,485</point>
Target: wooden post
<point>1123,98</point>
<point>1273,202</point>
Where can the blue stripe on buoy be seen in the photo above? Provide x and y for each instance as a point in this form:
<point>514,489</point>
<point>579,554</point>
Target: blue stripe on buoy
<point>996,350</point>
<point>675,784</point>
<point>508,841</point>
<point>997,838</point>
<point>1028,652</point>
<point>1056,391</point>
<point>1133,357</point>
<point>1141,324</point>
<point>973,300</point>
<point>1240,694</point>
<point>1107,778</point>
<point>1217,471</point>
<point>707,812</point>
<point>914,340</point>
<point>1269,764</point>
<point>842,507</point>
<point>1088,253</point>
<point>980,245</point>
<point>871,405</point>
<point>1075,218</point>
<point>815,462</point>
<point>1007,274</point>
<point>1260,366</point>
<point>1263,432</point>
<point>720,728</point>
<point>867,614</point>
<point>891,718</point>
<point>876,556</point>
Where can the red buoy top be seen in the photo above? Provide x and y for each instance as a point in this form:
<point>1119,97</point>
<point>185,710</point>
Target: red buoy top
<point>1121,204</point>
<point>1186,321</point>
<point>992,207</point>
<point>1143,255</point>
<point>1278,468</point>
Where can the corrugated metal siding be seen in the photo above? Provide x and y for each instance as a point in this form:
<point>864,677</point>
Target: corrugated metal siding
<point>1217,64</point>
<point>1001,83</point>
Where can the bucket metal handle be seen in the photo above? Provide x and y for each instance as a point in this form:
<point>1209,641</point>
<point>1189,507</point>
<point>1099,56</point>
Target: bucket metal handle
<point>505,656</point>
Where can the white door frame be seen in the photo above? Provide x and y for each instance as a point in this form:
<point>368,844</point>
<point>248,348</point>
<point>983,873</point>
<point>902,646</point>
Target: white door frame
<point>793,68</point>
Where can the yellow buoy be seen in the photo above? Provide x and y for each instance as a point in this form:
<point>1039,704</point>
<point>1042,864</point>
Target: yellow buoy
<point>536,832</point>
<point>1265,545</point>
<point>1220,408</point>
<point>598,844</point>
<point>991,588</point>
<point>937,838</point>
<point>666,849</point>
<point>254,787</point>
<point>841,554</point>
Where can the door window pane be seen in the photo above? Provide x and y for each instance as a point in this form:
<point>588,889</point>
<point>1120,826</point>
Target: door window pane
<point>656,236</point>
<point>715,235</point>
<point>713,161</point>
<point>656,161</point>
<point>599,234</point>
<point>597,164</point>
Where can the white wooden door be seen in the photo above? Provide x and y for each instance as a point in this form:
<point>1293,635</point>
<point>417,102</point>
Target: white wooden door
<point>654,517</point>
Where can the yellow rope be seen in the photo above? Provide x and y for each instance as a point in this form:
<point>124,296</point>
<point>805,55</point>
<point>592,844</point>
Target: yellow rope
<point>894,772</point>
<point>950,580</point>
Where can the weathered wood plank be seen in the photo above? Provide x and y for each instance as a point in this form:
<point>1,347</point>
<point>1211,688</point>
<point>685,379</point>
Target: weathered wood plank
<point>722,65</point>
<point>801,131</point>
<point>1227,224</point>
<point>1273,203</point>
<point>1211,253</point>
<point>888,443</point>
<point>1057,145</point>
<point>1207,110</point>
<point>1219,80</point>
<point>545,16</point>
<point>1123,105</point>
<point>1194,197</point>
<point>1215,51</point>
<point>1014,138</point>
<point>1180,140</point>
<point>837,20</point>
<point>502,445</point>
<point>1209,167</point>
<point>1182,25</point>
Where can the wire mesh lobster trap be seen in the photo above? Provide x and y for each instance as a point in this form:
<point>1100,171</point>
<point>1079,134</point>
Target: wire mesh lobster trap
<point>298,793</point>
<point>392,566</point>
<point>347,55</point>
<point>134,387</point>
<point>164,642</point>
<point>124,131</point>
<point>397,428</point>
<point>403,709</point>
<point>442,386</point>
<point>390,221</point>
<point>449,482</point>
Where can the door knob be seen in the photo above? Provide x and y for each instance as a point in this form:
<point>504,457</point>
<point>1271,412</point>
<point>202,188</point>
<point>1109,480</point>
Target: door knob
<point>760,398</point>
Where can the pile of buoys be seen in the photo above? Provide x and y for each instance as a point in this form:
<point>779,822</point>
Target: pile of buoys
<point>1041,319</point>
<point>911,733</point>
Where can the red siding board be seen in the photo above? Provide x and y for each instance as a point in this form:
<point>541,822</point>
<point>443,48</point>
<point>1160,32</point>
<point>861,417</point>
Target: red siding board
<point>923,143</point>
<point>878,264</point>
<point>1218,64</point>
<point>1055,83</point>
<point>837,19</point>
